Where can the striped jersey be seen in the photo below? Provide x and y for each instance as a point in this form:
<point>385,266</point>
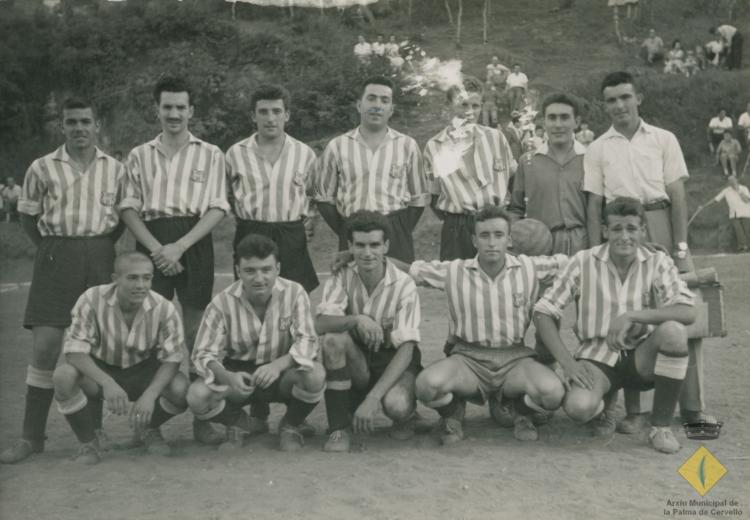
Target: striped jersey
<point>386,180</point>
<point>187,185</point>
<point>230,328</point>
<point>70,202</point>
<point>467,177</point>
<point>484,311</point>
<point>98,328</point>
<point>601,296</point>
<point>394,303</point>
<point>270,192</point>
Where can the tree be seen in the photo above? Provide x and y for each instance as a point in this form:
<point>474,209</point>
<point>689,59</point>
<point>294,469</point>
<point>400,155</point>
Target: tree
<point>459,15</point>
<point>485,15</point>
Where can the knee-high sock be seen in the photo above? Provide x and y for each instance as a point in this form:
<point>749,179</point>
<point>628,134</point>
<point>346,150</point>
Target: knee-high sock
<point>669,373</point>
<point>338,385</point>
<point>96,409</point>
<point>78,414</point>
<point>300,405</point>
<point>163,411</point>
<point>39,395</point>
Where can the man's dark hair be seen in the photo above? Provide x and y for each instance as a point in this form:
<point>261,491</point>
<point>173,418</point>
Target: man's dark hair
<point>76,102</point>
<point>469,84</point>
<point>364,221</point>
<point>255,246</point>
<point>377,80</point>
<point>172,84</point>
<point>728,131</point>
<point>561,98</point>
<point>270,93</point>
<point>618,78</point>
<point>489,213</point>
<point>624,207</point>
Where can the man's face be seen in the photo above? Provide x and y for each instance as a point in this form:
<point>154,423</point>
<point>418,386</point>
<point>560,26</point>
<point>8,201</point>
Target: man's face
<point>495,61</point>
<point>624,233</point>
<point>133,280</point>
<point>80,128</point>
<point>270,116</point>
<point>376,106</point>
<point>621,103</point>
<point>722,114</point>
<point>492,239</point>
<point>651,33</point>
<point>727,137</point>
<point>174,111</point>
<point>380,39</point>
<point>516,68</point>
<point>467,106</point>
<point>258,276</point>
<point>368,249</point>
<point>560,123</point>
<point>361,39</point>
<point>11,181</point>
<point>732,181</point>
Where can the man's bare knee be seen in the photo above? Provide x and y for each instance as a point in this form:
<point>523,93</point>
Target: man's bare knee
<point>65,378</point>
<point>176,391</point>
<point>334,349</point>
<point>200,397</point>
<point>580,406</point>
<point>398,404</point>
<point>313,380</point>
<point>673,338</point>
<point>429,383</point>
<point>550,391</point>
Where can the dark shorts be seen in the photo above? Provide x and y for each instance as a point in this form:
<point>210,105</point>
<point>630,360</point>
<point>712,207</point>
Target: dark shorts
<point>195,284</point>
<point>401,244</point>
<point>291,239</point>
<point>272,394</point>
<point>624,373</point>
<point>134,379</point>
<point>63,269</point>
<point>455,237</point>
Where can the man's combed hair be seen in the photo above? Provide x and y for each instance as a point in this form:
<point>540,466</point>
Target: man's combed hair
<point>489,213</point>
<point>364,221</point>
<point>623,207</point>
<point>377,80</point>
<point>256,246</point>
<point>172,84</point>
<point>270,93</point>
<point>77,102</point>
<point>617,78</point>
<point>562,99</point>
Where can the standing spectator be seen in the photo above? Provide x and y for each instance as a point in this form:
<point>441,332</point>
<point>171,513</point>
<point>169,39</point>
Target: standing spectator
<point>539,138</point>
<point>675,59</point>
<point>716,128</point>
<point>691,64</point>
<point>490,100</point>
<point>517,83</point>
<point>363,50</point>
<point>514,135</point>
<point>738,200</point>
<point>497,73</point>
<point>728,153</point>
<point>584,135</point>
<point>378,47</point>
<point>10,194</point>
<point>393,53</point>
<point>732,39</point>
<point>653,46</point>
<point>743,125</point>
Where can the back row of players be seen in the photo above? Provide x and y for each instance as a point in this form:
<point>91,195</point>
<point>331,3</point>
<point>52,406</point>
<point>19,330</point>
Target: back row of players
<point>256,342</point>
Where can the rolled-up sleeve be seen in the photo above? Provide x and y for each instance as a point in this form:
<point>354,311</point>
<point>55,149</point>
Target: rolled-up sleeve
<point>335,299</point>
<point>431,274</point>
<point>562,292</point>
<point>305,348</point>
<point>547,267</point>
<point>326,175</point>
<point>133,198</point>
<point>416,181</point>
<point>406,321</point>
<point>218,175</point>
<point>30,202</point>
<point>670,288</point>
<point>83,332</point>
<point>210,342</point>
<point>674,165</point>
<point>171,337</point>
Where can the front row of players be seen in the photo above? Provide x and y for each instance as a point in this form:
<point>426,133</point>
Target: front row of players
<point>257,342</point>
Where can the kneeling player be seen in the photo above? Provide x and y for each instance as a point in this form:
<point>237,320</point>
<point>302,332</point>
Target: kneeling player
<point>370,318</point>
<point>125,342</point>
<point>257,344</point>
<point>632,312</point>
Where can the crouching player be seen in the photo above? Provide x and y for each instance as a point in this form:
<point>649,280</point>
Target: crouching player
<point>370,318</point>
<point>125,342</point>
<point>257,344</point>
<point>632,312</point>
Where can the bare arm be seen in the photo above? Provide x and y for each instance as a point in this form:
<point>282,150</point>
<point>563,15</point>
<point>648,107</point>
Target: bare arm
<point>204,226</point>
<point>393,371</point>
<point>680,313</point>
<point>114,395</point>
<point>594,219</point>
<point>325,323</point>
<point>136,226</point>
<point>28,223</point>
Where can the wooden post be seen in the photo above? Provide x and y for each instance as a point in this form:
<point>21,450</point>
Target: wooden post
<point>458,23</point>
<point>485,12</point>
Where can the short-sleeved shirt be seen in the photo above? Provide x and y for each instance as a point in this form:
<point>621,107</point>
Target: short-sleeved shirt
<point>517,80</point>
<point>187,185</point>
<point>378,49</point>
<point>98,328</point>
<point>655,44</point>
<point>363,50</point>
<point>12,194</point>
<point>738,208</point>
<point>744,121</point>
<point>393,304</point>
<point>641,167</point>
<point>548,191</point>
<point>230,328</point>
<point>484,311</point>
<point>270,192</point>
<point>468,180</point>
<point>70,202</point>
<point>727,32</point>
<point>592,280</point>
<point>385,180</point>
<point>717,126</point>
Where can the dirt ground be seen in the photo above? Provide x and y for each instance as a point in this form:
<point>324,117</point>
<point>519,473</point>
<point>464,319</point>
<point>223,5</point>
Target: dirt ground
<point>566,474</point>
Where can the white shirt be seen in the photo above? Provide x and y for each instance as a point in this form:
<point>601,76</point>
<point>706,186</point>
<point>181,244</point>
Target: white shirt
<point>744,121</point>
<point>727,32</point>
<point>378,49</point>
<point>517,80</point>
<point>363,50</point>
<point>738,208</point>
<point>718,126</point>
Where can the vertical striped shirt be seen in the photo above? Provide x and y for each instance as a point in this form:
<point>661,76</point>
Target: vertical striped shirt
<point>231,328</point>
<point>70,202</point>
<point>354,177</point>
<point>98,328</point>
<point>187,185</point>
<point>467,182</point>
<point>484,311</point>
<point>601,296</point>
<point>270,192</point>
<point>394,303</point>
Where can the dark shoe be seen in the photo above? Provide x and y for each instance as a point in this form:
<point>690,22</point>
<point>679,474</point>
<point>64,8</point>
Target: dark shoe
<point>21,450</point>
<point>633,423</point>
<point>290,438</point>
<point>604,424</point>
<point>404,430</point>
<point>339,441</point>
<point>205,433</point>
<point>155,443</point>
<point>501,411</point>
<point>451,431</point>
<point>256,425</point>
<point>88,454</point>
<point>699,416</point>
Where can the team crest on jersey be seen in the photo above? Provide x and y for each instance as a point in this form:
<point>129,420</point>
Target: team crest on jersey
<point>107,198</point>
<point>285,323</point>
<point>299,178</point>
<point>498,165</point>
<point>197,175</point>
<point>397,170</point>
<point>519,299</point>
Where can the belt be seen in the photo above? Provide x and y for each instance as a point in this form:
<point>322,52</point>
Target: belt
<point>657,204</point>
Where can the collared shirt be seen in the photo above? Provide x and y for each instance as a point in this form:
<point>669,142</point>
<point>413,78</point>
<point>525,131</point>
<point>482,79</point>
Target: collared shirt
<point>718,125</point>
<point>727,32</point>
<point>640,167</point>
<point>230,328</point>
<point>738,208</point>
<point>394,303</point>
<point>591,279</point>
<point>270,192</point>
<point>363,50</point>
<point>486,311</point>
<point>12,194</point>
<point>378,49</point>
<point>466,182</point>
<point>548,191</point>
<point>187,185</point>
<point>744,121</point>
<point>70,202</point>
<point>100,330</point>
<point>517,80</point>
<point>355,177</point>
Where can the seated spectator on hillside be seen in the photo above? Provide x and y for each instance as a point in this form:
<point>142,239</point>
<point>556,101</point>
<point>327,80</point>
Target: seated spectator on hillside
<point>584,135</point>
<point>715,52</point>
<point>743,125</point>
<point>675,63</point>
<point>691,64</point>
<point>732,39</point>
<point>728,153</point>
<point>10,194</point>
<point>716,127</point>
<point>497,73</point>
<point>653,47</point>
<point>393,53</point>
<point>700,56</point>
<point>738,200</point>
<point>378,46</point>
<point>363,50</point>
<point>540,137</point>
<point>517,82</point>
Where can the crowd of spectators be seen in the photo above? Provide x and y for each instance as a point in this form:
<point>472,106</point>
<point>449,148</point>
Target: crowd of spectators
<point>10,192</point>
<point>366,52</point>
